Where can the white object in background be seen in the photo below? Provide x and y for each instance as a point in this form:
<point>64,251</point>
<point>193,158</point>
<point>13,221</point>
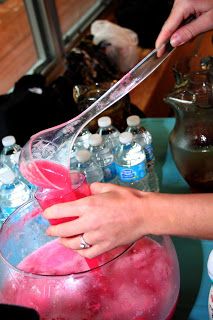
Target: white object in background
<point>210,272</point>
<point>122,43</point>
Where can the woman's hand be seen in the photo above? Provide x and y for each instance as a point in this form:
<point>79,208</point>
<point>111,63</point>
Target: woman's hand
<point>182,9</point>
<point>115,216</point>
<point>111,217</point>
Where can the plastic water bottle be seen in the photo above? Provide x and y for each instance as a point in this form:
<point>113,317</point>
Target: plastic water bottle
<point>82,141</point>
<point>10,157</point>
<point>130,161</point>
<point>104,157</point>
<point>144,138</point>
<point>109,133</point>
<point>13,191</point>
<point>88,166</point>
<point>11,153</point>
<point>210,272</point>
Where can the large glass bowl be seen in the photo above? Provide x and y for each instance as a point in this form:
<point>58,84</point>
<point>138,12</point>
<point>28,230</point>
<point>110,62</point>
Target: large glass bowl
<point>140,281</point>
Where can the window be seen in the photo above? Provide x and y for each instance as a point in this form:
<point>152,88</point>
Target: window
<point>18,52</point>
<point>31,33</point>
<point>70,12</point>
<point>75,16</point>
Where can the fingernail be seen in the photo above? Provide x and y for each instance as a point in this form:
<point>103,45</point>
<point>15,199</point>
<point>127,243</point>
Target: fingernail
<point>175,40</point>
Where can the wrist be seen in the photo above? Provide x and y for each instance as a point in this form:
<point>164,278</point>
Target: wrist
<point>159,214</point>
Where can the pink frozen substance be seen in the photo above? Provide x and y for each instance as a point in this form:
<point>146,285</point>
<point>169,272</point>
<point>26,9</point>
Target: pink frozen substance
<point>53,259</point>
<point>139,285</point>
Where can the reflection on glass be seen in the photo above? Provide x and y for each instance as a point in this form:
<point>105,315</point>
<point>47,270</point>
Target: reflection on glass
<point>18,53</point>
<point>70,11</point>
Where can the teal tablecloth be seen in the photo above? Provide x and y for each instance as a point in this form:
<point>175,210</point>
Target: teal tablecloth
<point>192,254</point>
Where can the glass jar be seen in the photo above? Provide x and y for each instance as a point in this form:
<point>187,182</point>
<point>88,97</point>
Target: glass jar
<point>84,96</point>
<point>140,281</point>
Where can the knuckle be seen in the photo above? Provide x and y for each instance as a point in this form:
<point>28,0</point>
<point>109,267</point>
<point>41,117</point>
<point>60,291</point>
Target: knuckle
<point>188,33</point>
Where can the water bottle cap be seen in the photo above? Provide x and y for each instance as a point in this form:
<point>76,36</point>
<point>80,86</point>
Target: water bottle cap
<point>104,122</point>
<point>8,141</point>
<point>83,155</point>
<point>133,121</point>
<point>95,140</point>
<point>210,265</point>
<point>6,175</point>
<point>126,137</point>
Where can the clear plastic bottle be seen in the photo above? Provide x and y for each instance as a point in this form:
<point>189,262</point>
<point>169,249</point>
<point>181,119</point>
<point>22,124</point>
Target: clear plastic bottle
<point>10,157</point>
<point>210,272</point>
<point>88,166</point>
<point>13,191</point>
<point>109,133</point>
<point>104,157</point>
<point>82,141</point>
<point>144,138</point>
<point>11,153</point>
<point>130,161</point>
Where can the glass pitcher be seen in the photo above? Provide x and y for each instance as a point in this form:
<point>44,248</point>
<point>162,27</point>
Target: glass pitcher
<point>191,139</point>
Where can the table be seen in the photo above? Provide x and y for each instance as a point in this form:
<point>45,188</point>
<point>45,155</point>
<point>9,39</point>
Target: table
<point>192,254</point>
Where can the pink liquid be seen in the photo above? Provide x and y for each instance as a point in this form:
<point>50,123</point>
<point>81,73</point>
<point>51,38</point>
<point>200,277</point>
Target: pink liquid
<point>46,174</point>
<point>57,185</point>
<point>138,285</point>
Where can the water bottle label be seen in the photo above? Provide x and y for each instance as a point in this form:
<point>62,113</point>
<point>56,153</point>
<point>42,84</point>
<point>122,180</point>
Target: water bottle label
<point>109,172</point>
<point>133,173</point>
<point>149,152</point>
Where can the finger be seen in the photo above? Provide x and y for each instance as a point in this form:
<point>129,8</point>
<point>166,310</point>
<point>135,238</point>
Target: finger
<point>176,17</point>
<point>68,229</point>
<point>75,242</point>
<point>67,209</point>
<point>94,251</point>
<point>171,24</point>
<point>191,30</point>
<point>98,187</point>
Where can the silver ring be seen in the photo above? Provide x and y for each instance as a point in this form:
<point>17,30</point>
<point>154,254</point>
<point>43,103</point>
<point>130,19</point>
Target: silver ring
<point>83,243</point>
